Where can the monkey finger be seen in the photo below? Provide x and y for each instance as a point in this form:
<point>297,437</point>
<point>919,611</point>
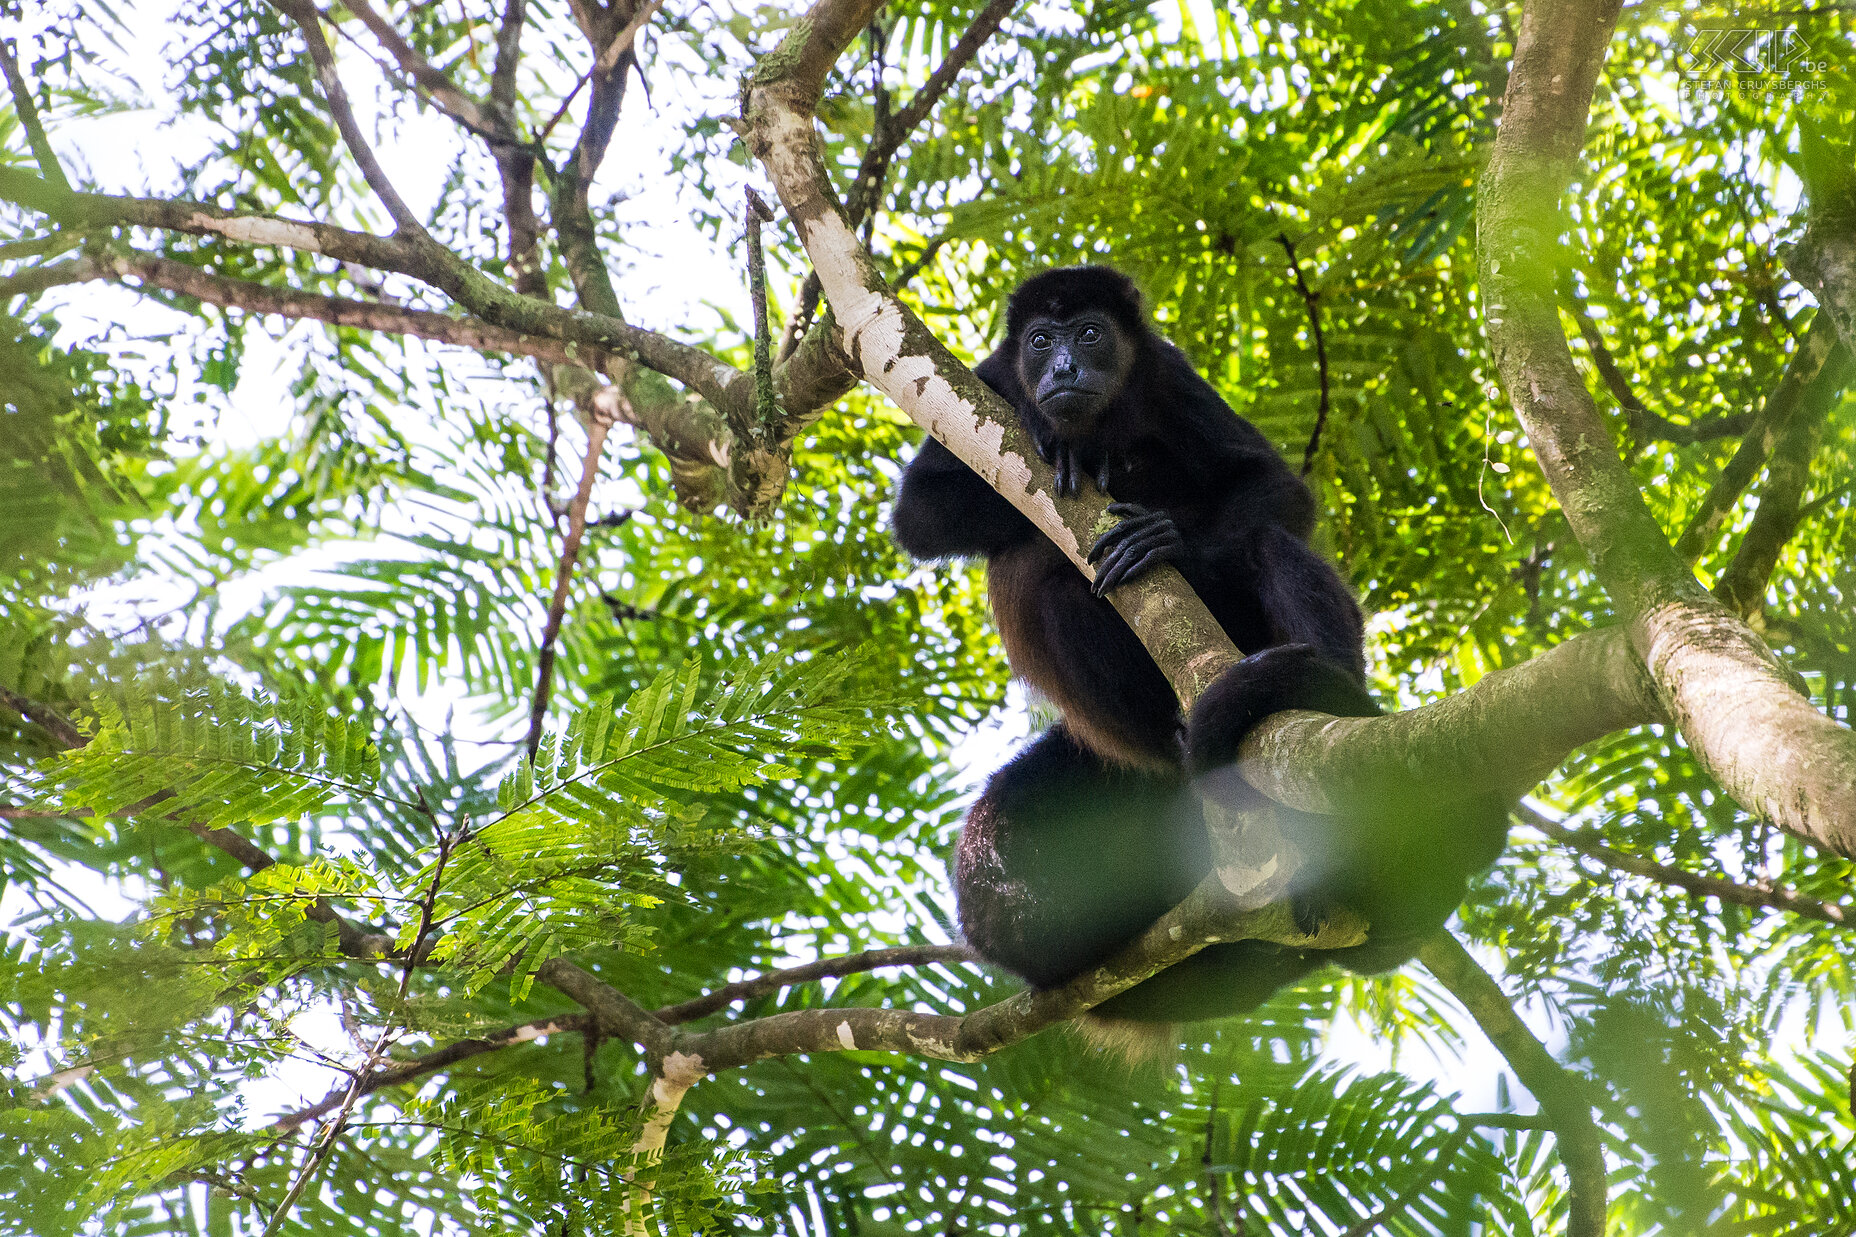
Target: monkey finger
<point>1130,510</point>
<point>1125,571</point>
<point>1116,537</point>
<point>1115,566</point>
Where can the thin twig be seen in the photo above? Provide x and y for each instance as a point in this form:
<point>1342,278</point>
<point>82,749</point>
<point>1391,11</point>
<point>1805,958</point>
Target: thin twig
<point>310,22</point>
<point>824,968</point>
<point>560,113</point>
<point>596,432</point>
<point>766,405</point>
<point>405,1071</point>
<point>1310,299</point>
<point>27,110</point>
<point>325,1146</point>
<point>1762,894</point>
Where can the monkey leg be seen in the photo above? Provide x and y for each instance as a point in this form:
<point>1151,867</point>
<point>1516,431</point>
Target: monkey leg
<point>1075,649</point>
<point>1065,859</point>
<point>1289,676</point>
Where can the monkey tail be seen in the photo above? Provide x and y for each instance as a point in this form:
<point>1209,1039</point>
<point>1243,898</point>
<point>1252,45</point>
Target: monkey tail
<point>1128,1041</point>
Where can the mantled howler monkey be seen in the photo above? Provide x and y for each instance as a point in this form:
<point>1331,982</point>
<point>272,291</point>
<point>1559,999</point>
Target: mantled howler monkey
<point>1091,833</point>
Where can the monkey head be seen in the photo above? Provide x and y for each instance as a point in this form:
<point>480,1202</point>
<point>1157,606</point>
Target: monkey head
<point>1076,334</point>
<point>1072,368</point>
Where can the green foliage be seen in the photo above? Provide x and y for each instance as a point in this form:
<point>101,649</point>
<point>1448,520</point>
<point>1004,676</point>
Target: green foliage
<point>290,583</point>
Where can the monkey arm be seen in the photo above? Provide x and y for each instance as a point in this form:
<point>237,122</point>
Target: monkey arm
<point>944,510</point>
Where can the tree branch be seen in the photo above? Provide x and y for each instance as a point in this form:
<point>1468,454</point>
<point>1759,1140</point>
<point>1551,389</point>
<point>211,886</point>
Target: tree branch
<point>888,139</point>
<point>1208,916</point>
<point>419,258</point>
<point>1763,894</point>
<point>437,86</point>
<point>508,57</point>
<point>1736,704</point>
<point>1505,732</point>
<point>1642,422</point>
<point>693,435</point>
<point>825,968</point>
<point>1321,351</point>
<point>596,431</point>
<point>1824,259</point>
<point>27,110</point>
<point>62,731</point>
<point>406,1071</point>
<point>1775,415</point>
<point>816,375</point>
<point>1742,587</point>
<point>1564,1097</point>
<point>305,15</point>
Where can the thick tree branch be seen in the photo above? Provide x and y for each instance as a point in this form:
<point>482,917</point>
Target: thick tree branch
<point>871,170</point>
<point>1761,895</point>
<point>825,968</point>
<point>1564,1097</point>
<point>1735,703</point>
<point>27,110</point>
<point>1824,259</point>
<point>1504,733</point>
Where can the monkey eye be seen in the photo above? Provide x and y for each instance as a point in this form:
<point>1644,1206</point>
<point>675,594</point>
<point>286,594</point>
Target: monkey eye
<point>1039,341</point>
<point>1090,335</point>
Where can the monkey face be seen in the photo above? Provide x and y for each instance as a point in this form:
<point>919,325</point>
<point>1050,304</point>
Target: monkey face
<point>1073,368</point>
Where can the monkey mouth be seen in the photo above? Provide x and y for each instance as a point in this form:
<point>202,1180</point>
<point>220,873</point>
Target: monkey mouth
<point>1070,400</point>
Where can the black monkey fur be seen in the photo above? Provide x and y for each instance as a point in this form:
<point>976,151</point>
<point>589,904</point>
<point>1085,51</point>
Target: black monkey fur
<point>1092,832</point>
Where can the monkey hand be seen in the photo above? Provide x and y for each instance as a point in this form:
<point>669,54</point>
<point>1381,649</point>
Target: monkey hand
<point>1061,456</point>
<point>1142,541</point>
